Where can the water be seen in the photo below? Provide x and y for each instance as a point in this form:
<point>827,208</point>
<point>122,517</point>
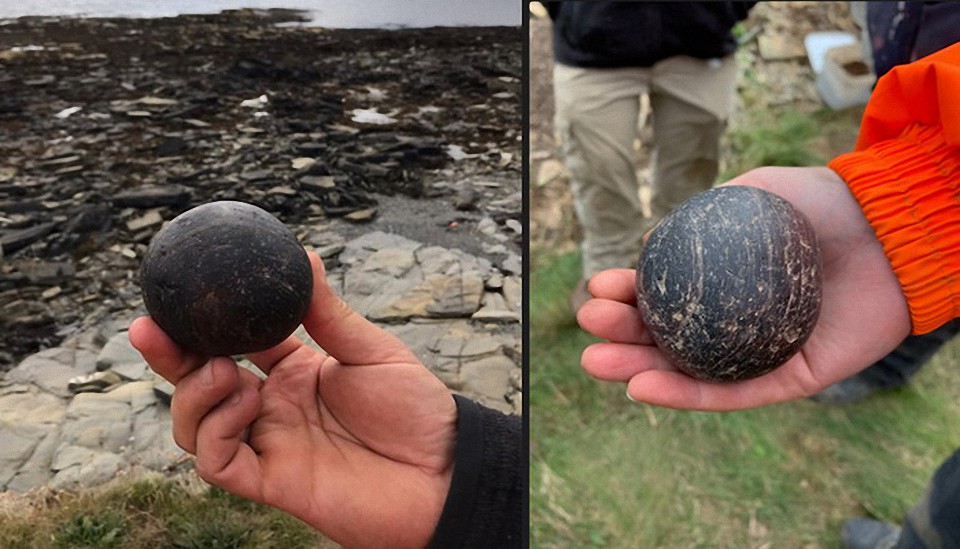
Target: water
<point>325,13</point>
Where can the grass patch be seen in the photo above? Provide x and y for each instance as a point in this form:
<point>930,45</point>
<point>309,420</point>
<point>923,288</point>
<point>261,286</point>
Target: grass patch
<point>785,136</point>
<point>105,529</point>
<point>609,472</point>
<point>782,139</point>
<point>151,513</point>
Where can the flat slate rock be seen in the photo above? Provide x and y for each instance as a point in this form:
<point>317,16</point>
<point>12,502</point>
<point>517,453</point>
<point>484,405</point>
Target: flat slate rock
<point>152,196</point>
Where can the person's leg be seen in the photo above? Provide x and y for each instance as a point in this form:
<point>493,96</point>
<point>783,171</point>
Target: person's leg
<point>933,523</point>
<point>691,100</point>
<point>596,121</point>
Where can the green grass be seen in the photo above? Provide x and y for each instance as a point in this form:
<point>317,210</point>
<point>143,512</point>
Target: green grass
<point>784,136</point>
<point>152,513</point>
<point>609,472</point>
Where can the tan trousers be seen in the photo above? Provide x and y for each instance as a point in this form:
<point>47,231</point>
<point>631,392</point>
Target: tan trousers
<point>597,121</point>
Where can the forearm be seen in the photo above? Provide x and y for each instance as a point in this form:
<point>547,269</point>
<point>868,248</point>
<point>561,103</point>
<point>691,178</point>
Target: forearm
<point>905,173</point>
<point>908,190</point>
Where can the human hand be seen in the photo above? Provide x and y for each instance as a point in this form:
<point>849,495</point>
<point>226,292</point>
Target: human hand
<point>359,444</point>
<point>863,316</point>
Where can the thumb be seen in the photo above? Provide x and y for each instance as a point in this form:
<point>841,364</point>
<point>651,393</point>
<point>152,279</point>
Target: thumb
<point>345,334</point>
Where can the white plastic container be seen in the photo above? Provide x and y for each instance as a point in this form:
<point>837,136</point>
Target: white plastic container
<point>846,80</point>
<point>817,43</point>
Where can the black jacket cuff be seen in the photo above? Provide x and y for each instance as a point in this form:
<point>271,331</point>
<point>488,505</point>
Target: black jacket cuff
<point>485,502</point>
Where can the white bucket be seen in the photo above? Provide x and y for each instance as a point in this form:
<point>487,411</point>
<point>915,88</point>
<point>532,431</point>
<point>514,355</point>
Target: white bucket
<point>846,79</point>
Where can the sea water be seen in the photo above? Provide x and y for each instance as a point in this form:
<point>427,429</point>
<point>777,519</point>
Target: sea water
<point>325,13</point>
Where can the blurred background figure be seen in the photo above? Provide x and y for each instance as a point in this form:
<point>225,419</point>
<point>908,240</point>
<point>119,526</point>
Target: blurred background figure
<point>608,56</point>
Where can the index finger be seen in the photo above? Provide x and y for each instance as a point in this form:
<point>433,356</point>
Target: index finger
<point>616,285</point>
<point>673,389</point>
<point>164,356</point>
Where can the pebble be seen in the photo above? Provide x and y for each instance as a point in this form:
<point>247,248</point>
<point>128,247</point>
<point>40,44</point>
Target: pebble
<point>149,219</point>
<point>361,216</point>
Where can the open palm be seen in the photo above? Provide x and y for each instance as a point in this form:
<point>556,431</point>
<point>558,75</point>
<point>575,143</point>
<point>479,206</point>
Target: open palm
<point>359,444</point>
<point>864,314</point>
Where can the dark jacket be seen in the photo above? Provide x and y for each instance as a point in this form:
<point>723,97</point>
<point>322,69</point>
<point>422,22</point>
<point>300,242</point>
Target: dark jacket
<point>639,34</point>
<point>484,507</point>
<point>902,32</point>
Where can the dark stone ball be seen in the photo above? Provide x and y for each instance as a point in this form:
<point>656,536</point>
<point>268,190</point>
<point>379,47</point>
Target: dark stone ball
<point>729,283</point>
<point>226,278</point>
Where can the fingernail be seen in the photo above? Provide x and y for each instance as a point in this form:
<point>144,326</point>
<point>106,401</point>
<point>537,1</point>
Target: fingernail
<point>630,398</point>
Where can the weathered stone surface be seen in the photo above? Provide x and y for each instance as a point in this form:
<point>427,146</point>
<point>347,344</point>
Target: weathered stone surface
<point>436,296</point>
<point>152,218</point>
<point>318,183</point>
<point>70,456</point>
<point>450,296</point>
<point>390,262</point>
<point>101,467</point>
<point>494,309</point>
<point>97,421</point>
<point>13,241</point>
<point>152,443</point>
<point>137,395</point>
<point>460,342</point>
<point>360,247</point>
<point>18,444</point>
<point>31,407</point>
<point>361,216</point>
<point>513,293</point>
<point>131,371</point>
<point>119,356</point>
<point>401,279</point>
<point>421,335</point>
<point>495,282</point>
<point>513,265</point>
<point>52,369</point>
<point>488,380</point>
<point>36,471</point>
<point>152,196</point>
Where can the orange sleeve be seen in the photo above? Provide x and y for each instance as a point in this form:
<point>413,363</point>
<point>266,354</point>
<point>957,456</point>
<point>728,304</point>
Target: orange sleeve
<point>905,173</point>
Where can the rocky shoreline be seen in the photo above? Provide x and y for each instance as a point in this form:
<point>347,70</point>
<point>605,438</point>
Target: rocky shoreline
<point>395,154</point>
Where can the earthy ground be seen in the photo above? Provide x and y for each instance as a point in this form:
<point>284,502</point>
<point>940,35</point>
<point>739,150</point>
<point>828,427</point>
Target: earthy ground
<point>111,127</point>
<point>395,154</point>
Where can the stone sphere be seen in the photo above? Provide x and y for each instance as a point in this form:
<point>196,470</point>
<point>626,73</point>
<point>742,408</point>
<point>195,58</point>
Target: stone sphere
<point>226,278</point>
<point>729,284</point>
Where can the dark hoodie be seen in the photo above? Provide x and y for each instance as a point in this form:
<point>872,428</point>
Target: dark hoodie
<point>640,34</point>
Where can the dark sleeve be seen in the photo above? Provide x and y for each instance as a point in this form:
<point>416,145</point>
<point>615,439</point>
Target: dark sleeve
<point>553,8</point>
<point>484,507</point>
<point>742,9</point>
<point>893,28</point>
<point>612,34</point>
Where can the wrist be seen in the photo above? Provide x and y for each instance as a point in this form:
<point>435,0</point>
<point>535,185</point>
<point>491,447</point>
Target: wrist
<point>483,507</point>
<point>903,186</point>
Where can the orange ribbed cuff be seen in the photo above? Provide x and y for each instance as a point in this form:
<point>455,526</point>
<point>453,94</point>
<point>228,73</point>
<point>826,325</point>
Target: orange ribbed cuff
<point>909,190</point>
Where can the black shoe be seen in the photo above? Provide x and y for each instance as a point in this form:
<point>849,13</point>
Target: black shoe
<point>891,371</point>
<point>861,533</point>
